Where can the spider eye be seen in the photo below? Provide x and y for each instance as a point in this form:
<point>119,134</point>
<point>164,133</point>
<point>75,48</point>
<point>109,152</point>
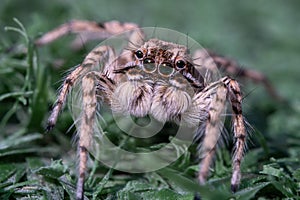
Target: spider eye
<point>148,61</point>
<point>139,54</point>
<point>167,64</point>
<point>149,65</point>
<point>180,64</point>
<point>166,69</point>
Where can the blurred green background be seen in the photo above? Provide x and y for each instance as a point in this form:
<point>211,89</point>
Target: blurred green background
<point>260,35</point>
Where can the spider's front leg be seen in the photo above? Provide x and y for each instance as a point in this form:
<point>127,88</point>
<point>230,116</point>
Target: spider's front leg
<point>239,129</point>
<point>212,128</point>
<point>88,78</point>
<point>95,58</point>
<point>62,96</point>
<point>86,127</point>
<point>225,88</point>
<point>91,83</point>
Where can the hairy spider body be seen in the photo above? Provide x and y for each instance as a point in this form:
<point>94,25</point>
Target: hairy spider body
<point>151,77</point>
<point>152,84</point>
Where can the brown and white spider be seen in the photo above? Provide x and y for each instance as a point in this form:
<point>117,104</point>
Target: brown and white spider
<point>148,73</point>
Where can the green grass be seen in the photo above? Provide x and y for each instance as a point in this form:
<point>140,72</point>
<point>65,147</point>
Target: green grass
<point>39,165</point>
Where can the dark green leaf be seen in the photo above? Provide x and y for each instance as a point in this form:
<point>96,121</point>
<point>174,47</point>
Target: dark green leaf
<point>55,170</point>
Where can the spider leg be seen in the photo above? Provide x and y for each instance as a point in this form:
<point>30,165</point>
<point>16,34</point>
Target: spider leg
<point>86,127</point>
<point>231,89</point>
<point>92,83</point>
<point>87,30</point>
<point>67,85</point>
<point>212,130</point>
<point>98,56</point>
<point>232,68</point>
<point>239,129</point>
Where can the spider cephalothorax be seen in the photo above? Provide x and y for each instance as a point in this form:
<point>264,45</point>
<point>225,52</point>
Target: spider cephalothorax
<point>156,77</point>
<point>159,81</point>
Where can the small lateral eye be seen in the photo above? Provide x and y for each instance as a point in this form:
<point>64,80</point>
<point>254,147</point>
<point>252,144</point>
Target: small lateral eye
<point>180,64</point>
<point>139,54</point>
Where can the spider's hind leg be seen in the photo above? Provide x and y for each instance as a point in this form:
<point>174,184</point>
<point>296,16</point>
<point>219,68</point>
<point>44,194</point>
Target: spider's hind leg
<point>233,69</point>
<point>86,31</point>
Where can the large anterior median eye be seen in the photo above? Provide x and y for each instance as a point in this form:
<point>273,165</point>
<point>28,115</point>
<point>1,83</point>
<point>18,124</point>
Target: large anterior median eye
<point>165,69</point>
<point>149,65</point>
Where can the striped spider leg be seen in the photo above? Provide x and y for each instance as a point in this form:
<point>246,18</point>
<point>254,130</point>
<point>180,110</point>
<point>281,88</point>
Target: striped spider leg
<point>83,76</point>
<point>223,90</point>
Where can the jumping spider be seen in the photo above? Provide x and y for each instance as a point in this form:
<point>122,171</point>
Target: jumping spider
<point>150,76</point>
